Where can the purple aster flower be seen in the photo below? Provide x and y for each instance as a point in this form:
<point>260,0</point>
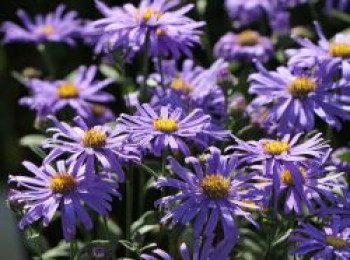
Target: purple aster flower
<point>330,242</point>
<point>341,159</point>
<point>247,11</point>
<point>334,54</point>
<point>171,128</point>
<point>289,3</point>
<point>273,156</point>
<point>96,36</point>
<point>192,87</point>
<point>201,250</point>
<point>237,102</point>
<point>80,93</point>
<point>307,187</point>
<point>247,45</point>
<point>66,190</point>
<point>87,144</point>
<point>211,196</point>
<point>154,25</point>
<point>297,98</point>
<point>54,27</point>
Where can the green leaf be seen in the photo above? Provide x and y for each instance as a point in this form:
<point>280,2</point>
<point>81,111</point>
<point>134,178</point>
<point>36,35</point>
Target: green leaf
<point>282,238</point>
<point>109,72</point>
<point>34,143</point>
<point>128,245</point>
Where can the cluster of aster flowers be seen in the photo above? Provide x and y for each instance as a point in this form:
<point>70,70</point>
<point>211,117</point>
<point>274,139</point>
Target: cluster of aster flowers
<point>185,126</point>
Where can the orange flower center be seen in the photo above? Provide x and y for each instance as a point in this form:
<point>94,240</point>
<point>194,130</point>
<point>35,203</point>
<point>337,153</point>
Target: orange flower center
<point>94,138</point>
<point>341,50</point>
<point>67,90</point>
<point>275,147</point>
<point>248,38</point>
<point>165,125</point>
<point>215,186</point>
<point>302,86</point>
<point>62,183</point>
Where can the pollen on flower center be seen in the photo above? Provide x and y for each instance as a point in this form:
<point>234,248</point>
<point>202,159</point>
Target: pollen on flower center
<point>46,29</point>
<point>67,90</point>
<point>302,86</point>
<point>62,183</point>
<point>165,125</point>
<point>248,38</point>
<point>335,242</point>
<point>94,138</point>
<point>287,177</point>
<point>215,186</point>
<point>275,147</point>
<point>179,84</point>
<point>147,14</point>
<point>341,50</point>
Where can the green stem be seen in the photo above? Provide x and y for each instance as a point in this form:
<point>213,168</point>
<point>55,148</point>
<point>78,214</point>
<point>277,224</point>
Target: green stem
<point>46,59</point>
<point>129,203</point>
<point>108,237</point>
<point>36,243</point>
<point>313,10</point>
<point>245,129</point>
<point>145,67</point>
<point>160,65</point>
<point>149,170</point>
<point>72,248</point>
<point>141,191</point>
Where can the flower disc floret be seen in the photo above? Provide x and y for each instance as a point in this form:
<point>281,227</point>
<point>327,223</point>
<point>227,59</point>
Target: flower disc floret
<point>62,183</point>
<point>302,86</point>
<point>335,241</point>
<point>341,50</point>
<point>67,90</point>
<point>248,38</point>
<point>180,84</point>
<point>46,29</point>
<point>215,186</point>
<point>165,125</point>
<point>275,147</point>
<point>94,138</point>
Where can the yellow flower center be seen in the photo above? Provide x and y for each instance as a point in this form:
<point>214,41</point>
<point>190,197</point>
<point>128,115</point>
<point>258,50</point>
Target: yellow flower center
<point>215,186</point>
<point>335,242</point>
<point>148,13</point>
<point>275,147</point>
<point>248,38</point>
<point>302,86</point>
<point>179,84</point>
<point>62,183</point>
<point>341,50</point>
<point>287,177</point>
<point>67,90</point>
<point>46,29</point>
<point>165,125</point>
<point>98,110</point>
<point>94,138</point>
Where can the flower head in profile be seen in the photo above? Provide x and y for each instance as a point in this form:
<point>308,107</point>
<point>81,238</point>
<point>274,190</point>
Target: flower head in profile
<point>155,25</point>
<point>307,187</point>
<point>90,144</point>
<point>341,208</point>
<point>99,115</point>
<point>202,249</point>
<point>211,196</point>
<point>335,54</point>
<point>158,130</point>
<point>330,242</point>
<point>296,98</point>
<point>336,4</point>
<point>246,45</point>
<point>79,93</point>
<point>53,27</point>
<point>341,159</point>
<point>64,189</point>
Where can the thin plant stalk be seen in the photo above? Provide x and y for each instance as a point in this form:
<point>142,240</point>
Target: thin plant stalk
<point>160,65</point>
<point>129,204</point>
<point>145,67</point>
<point>36,243</point>
<point>108,237</point>
<point>46,59</point>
